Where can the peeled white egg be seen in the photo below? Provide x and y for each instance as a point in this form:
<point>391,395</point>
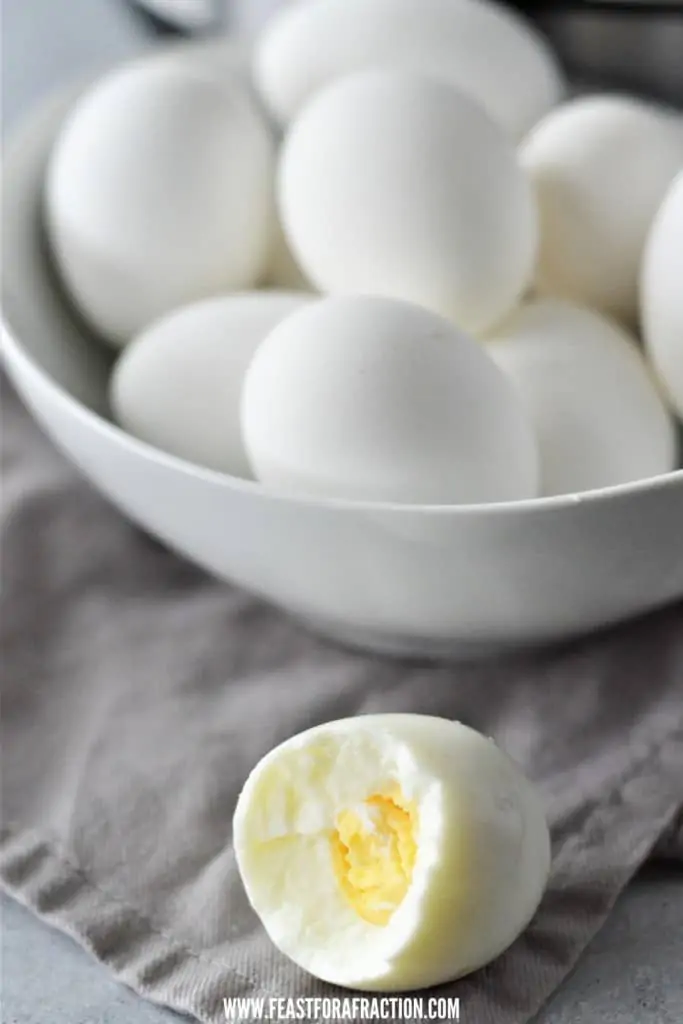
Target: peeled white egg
<point>221,60</point>
<point>598,415</point>
<point>484,49</point>
<point>370,398</point>
<point>393,183</point>
<point>600,166</point>
<point>158,193</point>
<point>662,294</point>
<point>391,852</point>
<point>178,385</point>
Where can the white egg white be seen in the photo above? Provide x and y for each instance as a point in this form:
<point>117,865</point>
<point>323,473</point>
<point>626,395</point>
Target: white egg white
<point>600,166</point>
<point>178,385</point>
<point>482,861</point>
<point>393,183</point>
<point>662,294</point>
<point>362,397</point>
<point>483,48</point>
<point>599,418</point>
<point>158,193</point>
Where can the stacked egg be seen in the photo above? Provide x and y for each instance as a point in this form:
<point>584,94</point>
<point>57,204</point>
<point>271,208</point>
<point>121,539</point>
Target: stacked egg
<point>383,257</point>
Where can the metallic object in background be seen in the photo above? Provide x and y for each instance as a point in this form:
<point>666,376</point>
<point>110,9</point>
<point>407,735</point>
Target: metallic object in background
<point>207,16</point>
<point>625,44</point>
<point>179,17</point>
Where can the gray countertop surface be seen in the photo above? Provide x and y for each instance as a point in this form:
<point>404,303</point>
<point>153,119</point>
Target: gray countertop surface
<point>631,974</point>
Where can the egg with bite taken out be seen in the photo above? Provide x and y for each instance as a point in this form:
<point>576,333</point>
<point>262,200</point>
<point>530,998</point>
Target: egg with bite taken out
<point>391,852</point>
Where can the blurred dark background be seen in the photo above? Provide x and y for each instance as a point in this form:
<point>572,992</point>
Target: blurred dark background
<point>632,44</point>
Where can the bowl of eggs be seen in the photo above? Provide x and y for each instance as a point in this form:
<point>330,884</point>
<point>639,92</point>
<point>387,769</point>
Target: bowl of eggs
<point>371,318</point>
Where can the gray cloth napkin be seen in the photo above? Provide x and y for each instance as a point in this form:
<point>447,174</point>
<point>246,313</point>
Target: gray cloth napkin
<point>138,693</point>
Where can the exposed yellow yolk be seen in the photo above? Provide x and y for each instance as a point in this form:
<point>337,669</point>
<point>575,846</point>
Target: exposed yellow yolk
<point>373,854</point>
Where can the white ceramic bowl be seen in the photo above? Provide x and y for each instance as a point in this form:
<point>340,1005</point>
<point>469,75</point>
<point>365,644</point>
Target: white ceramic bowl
<point>442,581</point>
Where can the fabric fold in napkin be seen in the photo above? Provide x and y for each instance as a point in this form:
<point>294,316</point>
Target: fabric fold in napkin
<point>138,693</point>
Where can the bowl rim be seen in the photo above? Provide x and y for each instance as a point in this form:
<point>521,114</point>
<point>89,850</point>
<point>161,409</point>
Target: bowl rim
<point>14,351</point>
<point>110,430</point>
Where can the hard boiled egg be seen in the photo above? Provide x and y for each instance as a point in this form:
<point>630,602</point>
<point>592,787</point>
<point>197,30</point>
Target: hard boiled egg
<point>222,60</point>
<point>177,386</point>
<point>393,183</point>
<point>601,166</point>
<point>158,193</point>
<point>370,398</point>
<point>599,417</point>
<point>484,49</point>
<point>662,294</point>
<point>391,852</point>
